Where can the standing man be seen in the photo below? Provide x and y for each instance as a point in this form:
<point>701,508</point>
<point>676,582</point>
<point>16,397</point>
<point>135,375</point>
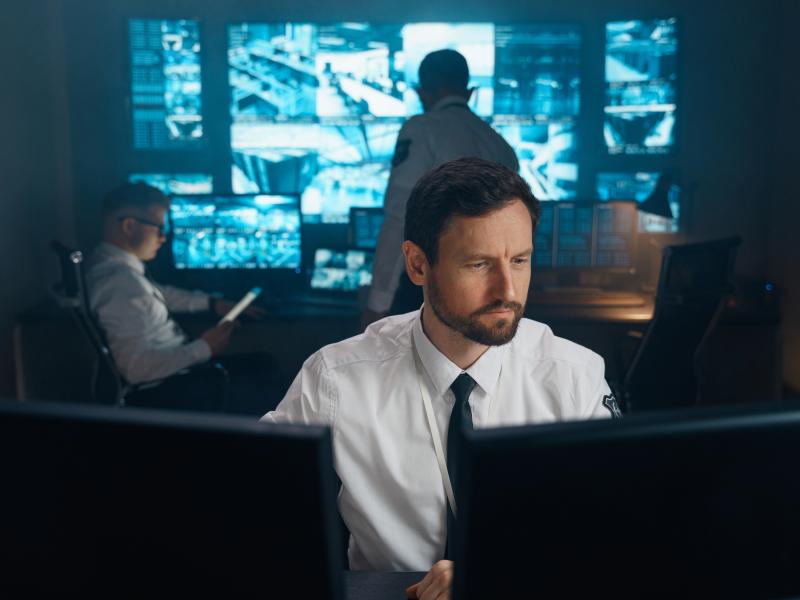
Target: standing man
<point>447,130</point>
<point>467,359</point>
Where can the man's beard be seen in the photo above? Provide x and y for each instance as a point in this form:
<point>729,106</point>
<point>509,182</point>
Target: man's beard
<point>502,332</point>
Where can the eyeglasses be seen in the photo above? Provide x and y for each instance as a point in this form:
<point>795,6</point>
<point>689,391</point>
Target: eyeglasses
<point>161,229</point>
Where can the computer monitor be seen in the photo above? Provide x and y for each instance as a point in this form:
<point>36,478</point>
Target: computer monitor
<point>235,232</point>
<point>108,501</point>
<point>573,240</point>
<point>641,86</point>
<point>702,503</point>
<point>595,236</point>
<point>365,227</point>
<point>176,183</point>
<point>639,185</point>
<point>166,83</point>
<point>343,271</point>
<point>615,236</point>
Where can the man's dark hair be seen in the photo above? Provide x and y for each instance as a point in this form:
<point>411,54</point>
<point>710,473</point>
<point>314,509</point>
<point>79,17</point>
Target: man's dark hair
<point>467,186</point>
<point>137,195</point>
<point>444,70</point>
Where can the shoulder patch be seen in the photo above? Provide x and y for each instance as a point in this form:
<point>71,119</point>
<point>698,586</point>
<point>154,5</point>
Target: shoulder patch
<point>401,151</point>
<point>611,404</point>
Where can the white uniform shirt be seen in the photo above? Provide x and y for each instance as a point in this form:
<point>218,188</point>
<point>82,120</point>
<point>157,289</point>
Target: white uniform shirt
<point>135,315</point>
<point>367,390</point>
<point>447,132</point>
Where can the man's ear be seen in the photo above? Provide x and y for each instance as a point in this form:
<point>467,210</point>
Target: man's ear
<point>416,263</point>
<point>126,226</point>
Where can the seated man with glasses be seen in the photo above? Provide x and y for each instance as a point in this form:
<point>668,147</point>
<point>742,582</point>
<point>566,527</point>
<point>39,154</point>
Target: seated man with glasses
<point>134,311</point>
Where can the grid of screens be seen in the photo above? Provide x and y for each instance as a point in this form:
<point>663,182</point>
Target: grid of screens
<point>641,74</point>
<point>176,183</point>
<point>343,271</point>
<point>235,232</point>
<point>316,109</point>
<point>572,235</point>
<point>638,186</point>
<point>165,83</point>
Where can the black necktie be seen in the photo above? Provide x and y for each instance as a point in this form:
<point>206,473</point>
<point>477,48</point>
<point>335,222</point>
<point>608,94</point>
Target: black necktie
<point>460,420</point>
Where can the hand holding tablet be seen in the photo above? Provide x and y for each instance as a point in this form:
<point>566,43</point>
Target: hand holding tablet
<point>241,305</point>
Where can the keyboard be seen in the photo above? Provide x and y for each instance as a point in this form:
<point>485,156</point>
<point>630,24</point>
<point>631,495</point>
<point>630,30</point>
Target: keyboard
<point>586,297</point>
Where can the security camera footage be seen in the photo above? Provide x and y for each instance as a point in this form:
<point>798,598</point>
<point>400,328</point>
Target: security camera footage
<point>641,74</point>
<point>365,227</point>
<point>342,271</point>
<point>235,232</point>
<point>638,186</point>
<point>316,109</point>
<point>165,83</point>
<point>616,227</point>
<point>176,183</point>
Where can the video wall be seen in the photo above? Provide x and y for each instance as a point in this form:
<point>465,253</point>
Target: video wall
<point>166,98</point>
<point>315,110</point>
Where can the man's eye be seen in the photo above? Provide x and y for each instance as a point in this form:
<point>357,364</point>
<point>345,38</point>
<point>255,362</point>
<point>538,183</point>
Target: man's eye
<point>521,261</point>
<point>477,265</point>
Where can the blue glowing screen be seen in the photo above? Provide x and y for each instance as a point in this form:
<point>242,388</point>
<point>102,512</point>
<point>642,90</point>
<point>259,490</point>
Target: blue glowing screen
<point>641,74</point>
<point>345,271</point>
<point>614,239</point>
<point>365,227</point>
<point>165,83</point>
<point>176,183</point>
<point>638,186</point>
<point>316,109</point>
<point>235,232</point>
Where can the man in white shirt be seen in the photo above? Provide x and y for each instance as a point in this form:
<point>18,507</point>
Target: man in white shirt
<point>135,312</point>
<point>447,130</point>
<point>469,230</point>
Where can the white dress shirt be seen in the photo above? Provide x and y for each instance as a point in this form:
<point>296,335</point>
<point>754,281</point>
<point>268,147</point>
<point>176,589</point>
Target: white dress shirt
<point>367,390</point>
<point>134,313</point>
<point>450,130</point>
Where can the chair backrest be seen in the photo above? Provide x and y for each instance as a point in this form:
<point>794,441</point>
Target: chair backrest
<point>108,386</point>
<point>695,281</point>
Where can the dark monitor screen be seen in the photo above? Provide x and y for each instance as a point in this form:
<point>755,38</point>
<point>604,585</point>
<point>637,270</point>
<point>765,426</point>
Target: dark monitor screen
<point>176,183</point>
<point>638,186</point>
<point>166,87</point>
<point>365,227</point>
<point>574,225</point>
<point>695,504</point>
<point>344,271</point>
<point>109,501</point>
<point>235,232</point>
<point>641,94</point>
<point>615,235</point>
<point>544,237</point>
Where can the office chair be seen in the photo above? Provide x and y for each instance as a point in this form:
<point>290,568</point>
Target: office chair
<point>108,386</point>
<point>694,284</point>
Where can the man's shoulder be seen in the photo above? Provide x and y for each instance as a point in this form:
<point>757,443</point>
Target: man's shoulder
<point>539,342</point>
<point>385,340</point>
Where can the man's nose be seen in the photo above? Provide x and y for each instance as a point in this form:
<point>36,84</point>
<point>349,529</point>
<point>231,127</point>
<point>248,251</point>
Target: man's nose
<point>503,284</point>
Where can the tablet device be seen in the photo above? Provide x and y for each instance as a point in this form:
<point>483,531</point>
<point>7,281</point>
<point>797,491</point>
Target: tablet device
<point>241,305</point>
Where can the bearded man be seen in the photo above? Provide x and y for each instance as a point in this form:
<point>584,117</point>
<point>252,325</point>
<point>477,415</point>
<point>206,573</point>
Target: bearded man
<point>400,394</point>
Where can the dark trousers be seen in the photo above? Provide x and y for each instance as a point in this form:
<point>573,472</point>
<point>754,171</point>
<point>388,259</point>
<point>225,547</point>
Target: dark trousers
<point>246,384</point>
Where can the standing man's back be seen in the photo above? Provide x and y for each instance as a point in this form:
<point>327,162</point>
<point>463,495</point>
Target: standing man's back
<point>446,131</point>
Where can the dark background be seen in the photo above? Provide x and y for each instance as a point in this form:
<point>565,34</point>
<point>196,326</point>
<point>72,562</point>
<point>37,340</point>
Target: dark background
<point>65,135</point>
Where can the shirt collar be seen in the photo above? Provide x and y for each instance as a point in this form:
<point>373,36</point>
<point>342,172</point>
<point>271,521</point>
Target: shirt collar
<point>448,101</point>
<point>443,372</point>
<point>115,252</point>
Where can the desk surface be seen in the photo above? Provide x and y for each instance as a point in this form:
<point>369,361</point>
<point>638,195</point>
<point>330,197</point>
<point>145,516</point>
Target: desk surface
<point>370,585</point>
